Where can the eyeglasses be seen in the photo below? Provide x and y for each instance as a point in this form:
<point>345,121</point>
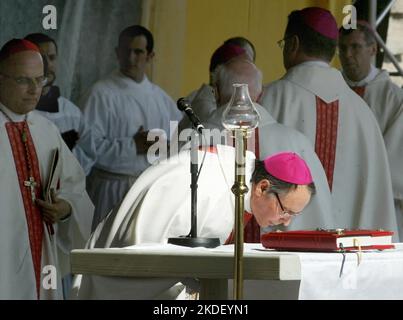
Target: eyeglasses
<point>281,43</point>
<point>283,211</point>
<point>27,82</point>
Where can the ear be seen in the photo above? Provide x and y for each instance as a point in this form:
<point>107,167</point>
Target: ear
<point>373,49</point>
<point>262,187</point>
<point>294,43</point>
<point>150,56</point>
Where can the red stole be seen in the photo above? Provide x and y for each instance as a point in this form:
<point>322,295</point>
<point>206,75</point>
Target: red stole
<point>359,90</point>
<point>251,230</point>
<point>327,120</point>
<point>32,212</point>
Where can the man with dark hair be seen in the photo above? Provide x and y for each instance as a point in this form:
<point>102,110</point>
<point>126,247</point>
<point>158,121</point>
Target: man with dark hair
<point>356,50</point>
<point>122,109</point>
<point>62,112</point>
<point>39,225</point>
<point>313,98</point>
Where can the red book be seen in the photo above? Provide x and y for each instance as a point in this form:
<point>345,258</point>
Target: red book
<point>328,240</point>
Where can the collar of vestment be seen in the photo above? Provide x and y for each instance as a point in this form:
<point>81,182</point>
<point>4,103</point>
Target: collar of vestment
<point>15,117</point>
<point>322,80</point>
<point>362,83</point>
<point>49,102</point>
<point>129,83</point>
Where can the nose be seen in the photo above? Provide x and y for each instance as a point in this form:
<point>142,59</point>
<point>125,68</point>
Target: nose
<point>132,56</point>
<point>348,52</point>
<point>34,87</point>
<point>286,221</point>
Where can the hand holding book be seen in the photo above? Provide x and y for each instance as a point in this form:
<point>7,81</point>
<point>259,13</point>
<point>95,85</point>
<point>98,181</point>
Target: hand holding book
<point>55,210</point>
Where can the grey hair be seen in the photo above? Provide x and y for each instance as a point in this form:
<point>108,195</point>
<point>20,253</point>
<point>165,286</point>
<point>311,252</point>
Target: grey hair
<point>224,77</point>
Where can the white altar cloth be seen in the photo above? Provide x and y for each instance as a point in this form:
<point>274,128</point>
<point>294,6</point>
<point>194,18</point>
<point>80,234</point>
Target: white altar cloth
<point>379,275</point>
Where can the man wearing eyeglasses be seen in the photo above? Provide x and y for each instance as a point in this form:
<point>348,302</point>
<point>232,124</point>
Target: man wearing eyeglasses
<point>313,98</point>
<point>270,137</point>
<point>32,229</point>
<point>62,112</point>
<point>279,188</point>
<point>356,50</point>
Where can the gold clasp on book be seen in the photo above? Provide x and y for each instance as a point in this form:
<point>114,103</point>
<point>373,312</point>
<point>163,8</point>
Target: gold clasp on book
<point>356,243</point>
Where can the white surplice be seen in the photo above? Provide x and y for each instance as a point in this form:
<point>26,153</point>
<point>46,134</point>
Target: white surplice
<point>69,117</point>
<point>386,101</point>
<point>116,107</point>
<point>362,190</point>
<point>17,277</point>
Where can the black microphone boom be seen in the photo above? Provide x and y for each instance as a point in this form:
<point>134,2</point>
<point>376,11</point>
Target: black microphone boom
<point>186,107</point>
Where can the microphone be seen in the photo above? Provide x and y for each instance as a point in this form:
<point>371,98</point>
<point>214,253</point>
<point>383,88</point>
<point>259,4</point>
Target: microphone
<point>186,107</point>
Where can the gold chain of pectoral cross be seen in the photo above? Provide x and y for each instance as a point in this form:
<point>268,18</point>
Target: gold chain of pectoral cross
<point>30,182</point>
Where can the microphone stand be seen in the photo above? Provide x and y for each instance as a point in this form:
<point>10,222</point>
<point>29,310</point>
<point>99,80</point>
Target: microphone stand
<point>192,240</point>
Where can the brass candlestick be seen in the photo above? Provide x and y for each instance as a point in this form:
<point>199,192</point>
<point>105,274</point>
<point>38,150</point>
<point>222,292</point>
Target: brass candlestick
<point>239,189</point>
<point>240,117</point>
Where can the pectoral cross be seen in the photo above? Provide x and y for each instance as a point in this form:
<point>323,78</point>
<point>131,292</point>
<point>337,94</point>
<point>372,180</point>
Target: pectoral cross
<point>31,184</point>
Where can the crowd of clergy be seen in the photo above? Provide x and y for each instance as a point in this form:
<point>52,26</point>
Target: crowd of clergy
<point>82,176</point>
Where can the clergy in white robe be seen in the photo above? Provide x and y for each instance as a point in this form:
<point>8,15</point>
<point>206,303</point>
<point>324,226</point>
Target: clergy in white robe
<point>313,98</point>
<point>385,99</point>
<point>122,109</point>
<point>36,236</point>
<point>158,207</point>
<point>270,137</point>
<point>62,112</point>
<point>69,119</point>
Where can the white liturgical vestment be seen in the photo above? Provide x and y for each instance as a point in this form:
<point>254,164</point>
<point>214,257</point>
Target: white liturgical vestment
<point>117,107</point>
<point>158,207</point>
<point>21,261</point>
<point>314,99</point>
<point>69,117</point>
<point>272,137</point>
<point>386,101</point>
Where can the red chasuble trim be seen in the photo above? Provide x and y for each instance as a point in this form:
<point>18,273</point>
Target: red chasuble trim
<point>32,212</point>
<point>251,230</point>
<point>359,90</point>
<point>327,119</point>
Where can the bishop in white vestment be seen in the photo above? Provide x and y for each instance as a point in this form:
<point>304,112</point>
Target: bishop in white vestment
<point>270,137</point>
<point>313,98</point>
<point>36,236</point>
<point>158,207</point>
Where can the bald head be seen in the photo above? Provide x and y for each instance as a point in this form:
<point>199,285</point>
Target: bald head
<point>21,79</point>
<point>238,71</point>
